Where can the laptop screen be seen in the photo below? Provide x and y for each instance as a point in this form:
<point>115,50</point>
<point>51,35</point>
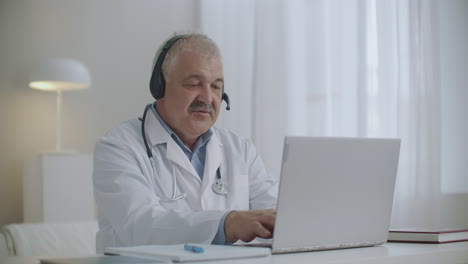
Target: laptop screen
<point>335,192</point>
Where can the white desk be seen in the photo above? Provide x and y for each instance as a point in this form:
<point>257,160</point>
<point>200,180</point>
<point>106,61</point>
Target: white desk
<point>385,254</point>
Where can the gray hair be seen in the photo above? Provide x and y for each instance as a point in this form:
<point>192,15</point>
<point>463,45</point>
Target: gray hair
<point>195,42</point>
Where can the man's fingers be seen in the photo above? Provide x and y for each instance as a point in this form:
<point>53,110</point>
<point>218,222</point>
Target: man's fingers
<point>265,212</point>
<point>264,233</point>
<point>246,225</point>
<point>257,231</point>
<point>268,221</point>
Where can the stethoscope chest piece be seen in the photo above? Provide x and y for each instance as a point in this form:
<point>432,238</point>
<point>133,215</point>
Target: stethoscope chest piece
<point>219,187</point>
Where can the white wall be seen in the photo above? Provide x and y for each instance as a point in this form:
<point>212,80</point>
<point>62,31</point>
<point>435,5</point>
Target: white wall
<point>116,39</point>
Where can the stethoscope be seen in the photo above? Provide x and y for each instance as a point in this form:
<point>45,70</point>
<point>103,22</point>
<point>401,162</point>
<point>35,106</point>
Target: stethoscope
<point>218,187</point>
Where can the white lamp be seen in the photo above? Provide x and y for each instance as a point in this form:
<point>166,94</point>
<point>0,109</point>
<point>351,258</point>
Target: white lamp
<point>59,75</point>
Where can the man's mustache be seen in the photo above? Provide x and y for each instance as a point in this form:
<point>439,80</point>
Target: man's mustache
<point>200,106</point>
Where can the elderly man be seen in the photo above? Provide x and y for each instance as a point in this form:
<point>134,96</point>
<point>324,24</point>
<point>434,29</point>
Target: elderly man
<point>172,177</point>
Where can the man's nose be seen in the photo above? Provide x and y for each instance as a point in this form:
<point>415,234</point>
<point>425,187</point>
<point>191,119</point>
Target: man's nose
<point>206,94</point>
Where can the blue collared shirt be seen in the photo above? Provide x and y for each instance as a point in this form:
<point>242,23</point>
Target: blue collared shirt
<point>197,158</point>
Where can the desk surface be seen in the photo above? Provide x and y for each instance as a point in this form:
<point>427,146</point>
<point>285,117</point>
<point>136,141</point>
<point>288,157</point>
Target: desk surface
<point>387,253</point>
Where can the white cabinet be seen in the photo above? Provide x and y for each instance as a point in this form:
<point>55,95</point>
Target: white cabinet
<point>58,187</point>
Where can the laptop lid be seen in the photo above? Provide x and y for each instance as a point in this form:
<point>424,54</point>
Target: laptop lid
<point>335,193</point>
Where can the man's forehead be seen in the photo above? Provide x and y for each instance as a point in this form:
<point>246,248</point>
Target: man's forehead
<point>201,77</point>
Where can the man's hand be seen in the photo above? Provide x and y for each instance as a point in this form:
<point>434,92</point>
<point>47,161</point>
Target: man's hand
<point>247,225</point>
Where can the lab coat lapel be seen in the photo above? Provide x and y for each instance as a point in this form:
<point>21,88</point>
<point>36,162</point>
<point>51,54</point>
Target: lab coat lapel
<point>177,155</point>
<point>158,135</point>
<point>214,156</point>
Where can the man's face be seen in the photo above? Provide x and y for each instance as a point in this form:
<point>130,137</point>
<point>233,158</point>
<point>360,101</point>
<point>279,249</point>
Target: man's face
<point>192,98</point>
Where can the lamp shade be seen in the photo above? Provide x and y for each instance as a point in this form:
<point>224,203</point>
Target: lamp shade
<point>60,74</point>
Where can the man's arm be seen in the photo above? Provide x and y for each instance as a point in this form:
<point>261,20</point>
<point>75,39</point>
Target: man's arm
<point>127,201</point>
<point>263,186</point>
<point>263,193</point>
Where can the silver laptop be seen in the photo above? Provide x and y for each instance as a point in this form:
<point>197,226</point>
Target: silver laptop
<point>335,193</point>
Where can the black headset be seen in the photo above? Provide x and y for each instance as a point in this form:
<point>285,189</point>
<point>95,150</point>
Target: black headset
<point>158,83</point>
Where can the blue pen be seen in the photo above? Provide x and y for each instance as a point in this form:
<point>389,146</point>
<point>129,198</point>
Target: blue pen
<point>193,248</point>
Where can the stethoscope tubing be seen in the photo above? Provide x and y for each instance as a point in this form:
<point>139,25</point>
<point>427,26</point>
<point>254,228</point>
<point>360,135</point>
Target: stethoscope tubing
<point>218,187</point>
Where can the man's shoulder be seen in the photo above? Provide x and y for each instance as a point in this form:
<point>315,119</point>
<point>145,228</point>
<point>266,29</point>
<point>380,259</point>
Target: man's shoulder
<point>226,133</point>
<point>231,137</point>
<point>124,131</point>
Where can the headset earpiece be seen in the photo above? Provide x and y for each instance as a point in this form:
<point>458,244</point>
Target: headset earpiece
<point>157,83</point>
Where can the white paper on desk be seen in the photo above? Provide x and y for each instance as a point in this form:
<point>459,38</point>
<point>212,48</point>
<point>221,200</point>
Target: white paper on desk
<point>178,254</point>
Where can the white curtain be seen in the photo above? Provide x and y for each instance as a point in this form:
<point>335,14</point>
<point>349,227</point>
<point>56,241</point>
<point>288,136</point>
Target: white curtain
<point>337,68</point>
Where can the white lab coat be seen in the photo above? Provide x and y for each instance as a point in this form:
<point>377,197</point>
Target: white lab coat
<point>128,193</point>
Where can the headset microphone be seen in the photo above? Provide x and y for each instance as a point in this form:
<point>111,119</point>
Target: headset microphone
<point>226,98</point>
